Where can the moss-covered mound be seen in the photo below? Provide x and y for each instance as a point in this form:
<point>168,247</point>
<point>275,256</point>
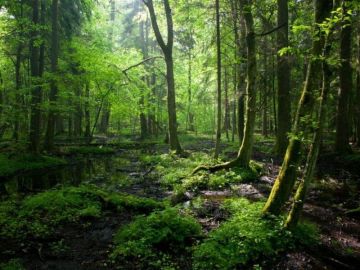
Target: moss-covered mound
<point>162,240</point>
<point>247,237</point>
<point>39,215</point>
<point>11,164</point>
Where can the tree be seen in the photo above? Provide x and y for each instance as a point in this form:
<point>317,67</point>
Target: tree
<point>345,74</point>
<point>167,49</point>
<point>36,92</point>
<point>50,131</point>
<point>286,178</point>
<point>218,50</point>
<point>283,80</point>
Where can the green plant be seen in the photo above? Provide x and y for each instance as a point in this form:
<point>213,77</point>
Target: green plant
<point>155,237</point>
<point>245,238</point>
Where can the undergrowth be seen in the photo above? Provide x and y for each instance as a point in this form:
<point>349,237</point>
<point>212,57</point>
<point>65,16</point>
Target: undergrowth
<point>40,215</point>
<point>162,240</point>
<point>176,173</point>
<point>247,238</point>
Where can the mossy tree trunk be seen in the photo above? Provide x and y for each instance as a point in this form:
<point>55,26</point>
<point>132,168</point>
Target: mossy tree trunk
<point>245,151</point>
<point>286,179</point>
<point>299,198</point>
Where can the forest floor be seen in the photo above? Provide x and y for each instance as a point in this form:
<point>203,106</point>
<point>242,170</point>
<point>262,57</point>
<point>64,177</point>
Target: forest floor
<point>134,179</point>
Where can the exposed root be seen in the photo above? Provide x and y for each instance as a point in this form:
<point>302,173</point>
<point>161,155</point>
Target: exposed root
<point>215,168</point>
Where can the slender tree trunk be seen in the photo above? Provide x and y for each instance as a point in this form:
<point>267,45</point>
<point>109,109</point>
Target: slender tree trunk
<point>227,124</point>
<point>218,93</point>
<point>50,132</point>
<point>342,121</point>
<point>245,151</point>
<point>358,87</point>
<point>299,198</point>
<point>87,133</point>
<point>283,75</point>
<point>17,94</point>
<point>35,121</point>
<point>285,181</point>
<point>167,49</point>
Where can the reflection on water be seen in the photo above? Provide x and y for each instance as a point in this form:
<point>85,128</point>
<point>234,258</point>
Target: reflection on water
<point>110,172</point>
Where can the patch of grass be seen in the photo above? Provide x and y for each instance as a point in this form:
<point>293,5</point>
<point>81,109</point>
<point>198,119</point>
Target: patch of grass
<point>87,150</point>
<point>158,241</point>
<point>41,214</point>
<point>12,164</point>
<point>246,237</point>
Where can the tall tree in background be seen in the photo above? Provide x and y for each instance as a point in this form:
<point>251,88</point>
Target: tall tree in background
<point>50,131</point>
<point>36,93</point>
<point>283,76</point>
<point>167,49</point>
<point>345,73</point>
<point>218,92</point>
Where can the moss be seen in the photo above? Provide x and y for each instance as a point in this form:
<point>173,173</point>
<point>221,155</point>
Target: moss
<point>86,150</point>
<point>156,241</point>
<point>12,164</point>
<point>175,172</point>
<point>41,214</point>
<point>246,238</point>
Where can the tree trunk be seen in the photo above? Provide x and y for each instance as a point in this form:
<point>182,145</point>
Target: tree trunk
<point>299,198</point>
<point>245,151</point>
<point>87,133</point>
<point>342,121</point>
<point>285,181</point>
<point>283,75</point>
<point>36,93</point>
<point>358,88</point>
<point>167,49</point>
<point>218,93</point>
<point>50,131</point>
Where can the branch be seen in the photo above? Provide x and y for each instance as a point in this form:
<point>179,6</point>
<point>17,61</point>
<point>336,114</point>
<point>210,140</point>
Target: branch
<point>272,30</point>
<point>140,63</point>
